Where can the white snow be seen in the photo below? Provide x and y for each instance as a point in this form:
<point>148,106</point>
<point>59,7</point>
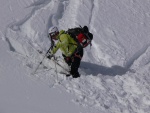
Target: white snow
<point>114,71</point>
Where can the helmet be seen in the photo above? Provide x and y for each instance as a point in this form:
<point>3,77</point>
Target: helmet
<point>53,31</point>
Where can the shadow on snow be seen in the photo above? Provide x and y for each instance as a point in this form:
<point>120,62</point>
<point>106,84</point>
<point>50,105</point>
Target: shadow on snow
<point>95,69</point>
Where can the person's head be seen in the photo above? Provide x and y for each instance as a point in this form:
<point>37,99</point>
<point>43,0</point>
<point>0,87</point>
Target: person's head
<point>53,32</point>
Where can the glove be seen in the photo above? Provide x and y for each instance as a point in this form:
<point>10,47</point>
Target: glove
<point>68,60</point>
<point>49,55</point>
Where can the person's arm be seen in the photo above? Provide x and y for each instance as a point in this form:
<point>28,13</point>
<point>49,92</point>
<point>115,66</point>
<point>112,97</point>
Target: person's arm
<point>63,42</point>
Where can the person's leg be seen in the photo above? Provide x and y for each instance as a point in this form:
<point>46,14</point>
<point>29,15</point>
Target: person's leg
<point>67,60</point>
<point>74,67</point>
<point>76,63</point>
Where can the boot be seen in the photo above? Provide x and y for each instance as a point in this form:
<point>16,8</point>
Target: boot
<point>76,75</point>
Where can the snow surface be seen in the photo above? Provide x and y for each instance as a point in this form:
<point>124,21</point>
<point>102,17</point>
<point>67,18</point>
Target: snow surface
<point>114,71</point>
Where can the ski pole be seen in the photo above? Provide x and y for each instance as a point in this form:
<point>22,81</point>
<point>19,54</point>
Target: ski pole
<point>41,61</point>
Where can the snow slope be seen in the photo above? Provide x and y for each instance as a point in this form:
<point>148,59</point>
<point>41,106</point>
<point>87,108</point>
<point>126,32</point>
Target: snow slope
<point>21,94</point>
<point>114,72</point>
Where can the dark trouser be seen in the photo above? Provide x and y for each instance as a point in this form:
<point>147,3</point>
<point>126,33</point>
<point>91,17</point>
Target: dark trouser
<point>77,56</point>
<point>75,62</point>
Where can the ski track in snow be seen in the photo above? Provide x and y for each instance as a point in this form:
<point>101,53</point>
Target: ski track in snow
<point>107,89</point>
<point>138,55</point>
